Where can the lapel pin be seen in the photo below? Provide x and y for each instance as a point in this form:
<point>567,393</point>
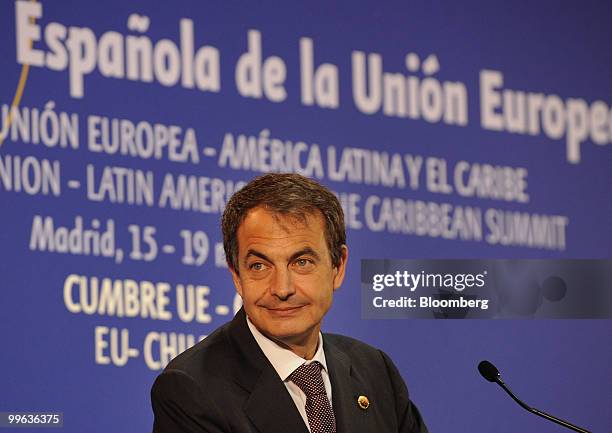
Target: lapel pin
<point>363,402</point>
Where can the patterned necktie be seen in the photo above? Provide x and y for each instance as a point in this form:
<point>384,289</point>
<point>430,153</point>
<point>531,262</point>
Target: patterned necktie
<point>318,410</point>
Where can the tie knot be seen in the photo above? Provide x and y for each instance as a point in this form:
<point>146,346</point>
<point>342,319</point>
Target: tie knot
<point>308,378</point>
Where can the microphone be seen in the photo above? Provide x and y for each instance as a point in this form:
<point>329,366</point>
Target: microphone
<point>491,373</point>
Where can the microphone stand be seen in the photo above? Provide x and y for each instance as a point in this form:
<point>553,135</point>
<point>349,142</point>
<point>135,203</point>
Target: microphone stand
<point>539,412</point>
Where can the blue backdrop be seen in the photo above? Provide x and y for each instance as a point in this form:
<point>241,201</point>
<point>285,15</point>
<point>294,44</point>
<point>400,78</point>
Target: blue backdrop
<point>471,129</point>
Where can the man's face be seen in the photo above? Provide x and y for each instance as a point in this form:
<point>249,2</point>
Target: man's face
<point>286,278</point>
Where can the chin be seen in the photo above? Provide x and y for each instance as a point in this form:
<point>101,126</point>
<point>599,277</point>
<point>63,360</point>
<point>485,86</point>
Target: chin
<point>285,331</point>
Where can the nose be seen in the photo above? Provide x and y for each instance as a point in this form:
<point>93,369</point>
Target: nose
<point>281,284</point>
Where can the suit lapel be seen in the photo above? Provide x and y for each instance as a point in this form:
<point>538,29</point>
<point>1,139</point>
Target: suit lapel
<point>269,406</point>
<point>346,388</point>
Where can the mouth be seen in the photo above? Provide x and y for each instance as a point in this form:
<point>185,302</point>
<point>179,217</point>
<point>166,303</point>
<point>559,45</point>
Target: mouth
<point>285,311</point>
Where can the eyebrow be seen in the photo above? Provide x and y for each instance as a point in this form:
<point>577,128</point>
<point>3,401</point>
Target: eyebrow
<point>304,251</point>
<point>255,253</point>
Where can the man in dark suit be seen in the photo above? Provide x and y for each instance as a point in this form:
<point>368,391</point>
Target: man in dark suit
<point>270,370</point>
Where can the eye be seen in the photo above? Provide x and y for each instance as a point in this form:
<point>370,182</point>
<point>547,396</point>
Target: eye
<point>257,266</point>
<point>303,264</point>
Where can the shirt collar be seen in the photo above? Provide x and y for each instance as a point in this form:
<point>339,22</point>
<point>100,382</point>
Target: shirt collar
<point>284,360</point>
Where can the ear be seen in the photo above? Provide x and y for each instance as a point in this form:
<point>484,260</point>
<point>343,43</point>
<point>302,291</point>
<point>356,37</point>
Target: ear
<point>236,279</point>
<point>341,268</point>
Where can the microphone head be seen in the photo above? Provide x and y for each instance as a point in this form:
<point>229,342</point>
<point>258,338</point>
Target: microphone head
<point>488,371</point>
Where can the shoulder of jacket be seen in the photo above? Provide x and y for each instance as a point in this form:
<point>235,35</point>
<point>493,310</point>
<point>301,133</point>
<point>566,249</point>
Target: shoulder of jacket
<point>207,355</point>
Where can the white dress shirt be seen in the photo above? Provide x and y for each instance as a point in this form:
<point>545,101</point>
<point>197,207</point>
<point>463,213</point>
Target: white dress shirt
<point>285,362</point>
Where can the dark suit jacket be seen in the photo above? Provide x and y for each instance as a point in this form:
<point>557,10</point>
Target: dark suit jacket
<point>226,384</point>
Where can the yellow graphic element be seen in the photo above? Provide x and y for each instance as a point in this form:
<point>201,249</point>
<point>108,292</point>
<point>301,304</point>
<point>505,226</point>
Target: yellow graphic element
<point>23,77</point>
